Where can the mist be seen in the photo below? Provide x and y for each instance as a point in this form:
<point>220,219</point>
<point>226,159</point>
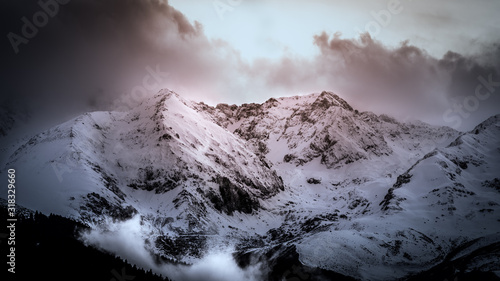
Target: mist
<point>111,55</point>
<point>126,239</point>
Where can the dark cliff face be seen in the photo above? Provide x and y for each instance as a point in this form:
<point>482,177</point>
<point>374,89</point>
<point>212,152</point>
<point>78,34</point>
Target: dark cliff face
<point>232,198</point>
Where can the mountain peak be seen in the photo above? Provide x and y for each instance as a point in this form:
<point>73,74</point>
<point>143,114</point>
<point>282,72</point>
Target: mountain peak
<point>328,99</point>
<point>492,121</point>
<point>167,93</point>
<point>304,173</point>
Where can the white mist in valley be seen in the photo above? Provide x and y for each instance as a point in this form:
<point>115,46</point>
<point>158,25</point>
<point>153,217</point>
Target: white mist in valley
<point>126,239</point>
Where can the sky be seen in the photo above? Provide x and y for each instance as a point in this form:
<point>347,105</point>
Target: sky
<point>435,61</point>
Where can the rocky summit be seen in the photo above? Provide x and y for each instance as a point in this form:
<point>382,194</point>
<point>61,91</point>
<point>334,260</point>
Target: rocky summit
<point>307,181</point>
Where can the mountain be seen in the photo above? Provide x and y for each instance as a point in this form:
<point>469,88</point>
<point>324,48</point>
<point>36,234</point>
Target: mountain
<point>103,163</point>
<point>305,180</point>
<point>298,130</point>
<point>442,207</point>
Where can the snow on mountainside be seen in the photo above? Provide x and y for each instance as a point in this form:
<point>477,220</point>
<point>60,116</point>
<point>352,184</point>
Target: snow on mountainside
<point>446,199</point>
<point>351,192</point>
<point>110,159</point>
<point>299,129</point>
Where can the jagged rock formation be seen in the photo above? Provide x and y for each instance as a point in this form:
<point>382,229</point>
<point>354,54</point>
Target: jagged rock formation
<point>354,193</point>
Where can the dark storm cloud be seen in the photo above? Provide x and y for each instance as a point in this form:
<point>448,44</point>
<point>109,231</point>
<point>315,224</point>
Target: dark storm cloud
<point>103,54</point>
<point>90,54</point>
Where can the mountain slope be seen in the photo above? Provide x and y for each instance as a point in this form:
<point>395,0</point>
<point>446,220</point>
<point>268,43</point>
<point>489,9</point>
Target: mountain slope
<point>323,126</point>
<point>307,177</point>
<point>444,200</point>
<point>111,159</point>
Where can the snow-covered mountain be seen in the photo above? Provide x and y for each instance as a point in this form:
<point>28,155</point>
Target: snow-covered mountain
<point>349,192</point>
<point>110,163</point>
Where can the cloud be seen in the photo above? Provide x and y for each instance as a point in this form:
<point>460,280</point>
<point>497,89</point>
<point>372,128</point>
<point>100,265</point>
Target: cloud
<point>98,55</point>
<point>217,266</point>
<point>91,53</point>
<point>127,239</point>
<point>122,238</point>
<point>404,81</point>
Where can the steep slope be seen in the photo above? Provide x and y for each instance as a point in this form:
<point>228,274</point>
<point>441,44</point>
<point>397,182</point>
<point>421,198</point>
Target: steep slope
<point>300,129</point>
<point>341,211</point>
<point>441,209</point>
<point>469,165</point>
<point>160,155</point>
<point>307,180</point>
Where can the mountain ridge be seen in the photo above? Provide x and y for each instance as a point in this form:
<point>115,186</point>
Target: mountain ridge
<point>308,172</point>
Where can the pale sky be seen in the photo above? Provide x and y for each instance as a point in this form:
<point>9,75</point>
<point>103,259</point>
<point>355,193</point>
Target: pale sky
<point>273,28</point>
